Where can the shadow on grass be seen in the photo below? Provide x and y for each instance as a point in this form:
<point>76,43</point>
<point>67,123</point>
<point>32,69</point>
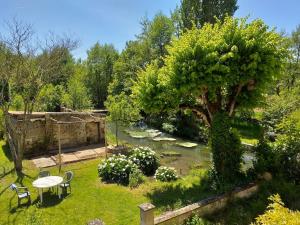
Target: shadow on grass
<point>7,152</point>
<point>171,196</point>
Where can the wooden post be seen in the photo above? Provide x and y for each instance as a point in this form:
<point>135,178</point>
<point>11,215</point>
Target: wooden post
<point>105,141</point>
<point>59,149</point>
<point>146,214</point>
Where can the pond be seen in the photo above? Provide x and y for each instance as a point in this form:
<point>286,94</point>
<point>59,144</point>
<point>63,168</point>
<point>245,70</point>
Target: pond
<point>176,152</point>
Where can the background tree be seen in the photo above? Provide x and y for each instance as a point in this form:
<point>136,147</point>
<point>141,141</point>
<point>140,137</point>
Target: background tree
<point>29,72</point>
<point>150,45</point>
<point>122,111</point>
<point>214,70</point>
<point>76,96</point>
<point>100,61</point>
<point>198,12</point>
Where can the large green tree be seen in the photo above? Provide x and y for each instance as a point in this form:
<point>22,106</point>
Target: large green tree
<point>214,70</point>
<point>198,12</point>
<point>150,45</point>
<point>100,62</point>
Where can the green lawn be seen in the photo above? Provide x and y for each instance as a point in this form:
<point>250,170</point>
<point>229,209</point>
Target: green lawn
<point>116,204</point>
<point>90,198</point>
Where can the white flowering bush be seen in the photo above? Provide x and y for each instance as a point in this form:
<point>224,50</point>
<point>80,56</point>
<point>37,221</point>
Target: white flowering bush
<point>116,169</point>
<point>145,158</point>
<point>166,174</point>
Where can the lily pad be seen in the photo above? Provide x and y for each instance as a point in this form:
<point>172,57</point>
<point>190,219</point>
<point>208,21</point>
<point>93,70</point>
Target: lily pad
<point>164,139</point>
<point>187,144</point>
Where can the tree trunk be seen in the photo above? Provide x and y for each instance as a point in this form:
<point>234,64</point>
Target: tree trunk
<point>117,131</point>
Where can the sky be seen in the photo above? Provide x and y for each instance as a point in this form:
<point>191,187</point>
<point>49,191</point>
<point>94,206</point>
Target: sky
<point>117,21</point>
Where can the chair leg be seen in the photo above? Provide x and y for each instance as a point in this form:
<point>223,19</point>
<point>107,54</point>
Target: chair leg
<point>29,200</point>
<point>70,188</point>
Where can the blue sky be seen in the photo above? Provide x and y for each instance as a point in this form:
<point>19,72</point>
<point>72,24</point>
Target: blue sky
<point>116,21</point>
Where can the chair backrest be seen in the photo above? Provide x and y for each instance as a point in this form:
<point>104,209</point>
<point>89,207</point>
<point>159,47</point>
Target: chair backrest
<point>14,187</point>
<point>68,176</point>
<point>44,173</point>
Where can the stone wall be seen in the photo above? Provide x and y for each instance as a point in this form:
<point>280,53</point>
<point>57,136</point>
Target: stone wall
<point>203,207</point>
<point>76,129</point>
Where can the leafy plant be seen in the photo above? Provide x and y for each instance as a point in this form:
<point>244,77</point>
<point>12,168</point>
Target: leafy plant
<point>195,220</point>
<point>116,169</point>
<point>278,214</point>
<point>166,174</point>
<point>136,178</point>
<point>145,158</point>
<point>226,148</point>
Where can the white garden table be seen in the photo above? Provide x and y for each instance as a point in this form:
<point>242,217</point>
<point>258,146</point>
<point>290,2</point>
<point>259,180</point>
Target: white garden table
<point>47,182</point>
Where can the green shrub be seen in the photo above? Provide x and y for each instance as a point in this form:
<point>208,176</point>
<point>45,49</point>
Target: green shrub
<point>266,158</point>
<point>50,98</point>
<point>136,178</point>
<point>278,214</point>
<point>145,158</point>
<point>226,148</point>
<point>166,174</point>
<point>288,144</point>
<point>195,220</point>
<point>17,103</point>
<point>116,169</point>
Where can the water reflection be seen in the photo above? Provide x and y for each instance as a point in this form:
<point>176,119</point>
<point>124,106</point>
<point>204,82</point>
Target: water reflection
<point>183,158</point>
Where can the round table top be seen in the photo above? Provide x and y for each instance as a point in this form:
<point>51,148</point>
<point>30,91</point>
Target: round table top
<point>47,182</point>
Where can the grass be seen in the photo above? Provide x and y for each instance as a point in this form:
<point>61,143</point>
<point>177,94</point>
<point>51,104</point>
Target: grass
<point>249,131</point>
<point>90,198</point>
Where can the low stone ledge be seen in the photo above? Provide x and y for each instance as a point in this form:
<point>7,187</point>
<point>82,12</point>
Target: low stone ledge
<point>204,207</point>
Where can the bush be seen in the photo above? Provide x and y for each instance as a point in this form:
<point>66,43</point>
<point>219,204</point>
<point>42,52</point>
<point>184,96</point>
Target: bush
<point>288,144</point>
<point>166,174</point>
<point>195,220</point>
<point>136,178</point>
<point>226,148</point>
<point>266,158</point>
<point>278,214</point>
<point>50,98</point>
<point>116,169</point>
<point>145,158</point>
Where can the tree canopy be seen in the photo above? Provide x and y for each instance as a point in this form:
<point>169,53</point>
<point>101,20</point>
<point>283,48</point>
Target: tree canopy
<point>216,68</point>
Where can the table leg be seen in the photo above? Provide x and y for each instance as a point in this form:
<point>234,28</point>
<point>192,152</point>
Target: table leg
<point>59,192</point>
<point>41,195</point>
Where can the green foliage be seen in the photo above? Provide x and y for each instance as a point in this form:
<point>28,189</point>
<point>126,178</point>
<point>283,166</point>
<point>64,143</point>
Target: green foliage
<point>169,128</point>
<point>166,174</point>
<point>280,106</point>
<point>17,102</point>
<point>226,148</point>
<point>77,97</point>
<point>160,32</point>
<point>196,12</point>
<point>136,178</point>
<point>50,98</point>
<point>116,169</point>
<point>231,62</point>
<point>122,110</point>
<point>288,144</point>
<point>195,220</point>
<point>145,158</point>
<point>266,158</point>
<point>150,45</point>
<point>278,214</point>
<point>100,62</point>
<point>283,156</point>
